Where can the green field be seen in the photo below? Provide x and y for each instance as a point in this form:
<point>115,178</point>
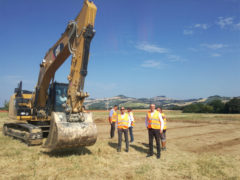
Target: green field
<point>199,146</point>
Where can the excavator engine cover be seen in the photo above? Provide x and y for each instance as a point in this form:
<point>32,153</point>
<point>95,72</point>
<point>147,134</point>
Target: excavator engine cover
<point>65,134</point>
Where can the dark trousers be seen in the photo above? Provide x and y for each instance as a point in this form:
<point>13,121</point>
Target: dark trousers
<point>112,129</point>
<point>125,131</point>
<point>131,134</point>
<point>151,134</point>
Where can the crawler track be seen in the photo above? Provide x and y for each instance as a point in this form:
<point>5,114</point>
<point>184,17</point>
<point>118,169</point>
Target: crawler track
<point>28,133</point>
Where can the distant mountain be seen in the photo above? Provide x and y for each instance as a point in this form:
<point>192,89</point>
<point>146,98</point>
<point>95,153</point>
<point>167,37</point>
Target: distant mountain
<point>143,103</point>
<point>217,97</point>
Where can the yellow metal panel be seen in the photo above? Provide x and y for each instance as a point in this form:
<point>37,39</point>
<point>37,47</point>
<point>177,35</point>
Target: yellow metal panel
<point>27,96</point>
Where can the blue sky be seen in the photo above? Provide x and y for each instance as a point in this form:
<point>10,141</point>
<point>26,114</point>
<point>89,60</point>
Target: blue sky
<point>180,49</point>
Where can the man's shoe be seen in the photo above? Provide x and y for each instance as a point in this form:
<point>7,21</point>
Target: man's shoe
<point>158,156</point>
<point>126,150</point>
<point>149,155</point>
<point>119,150</point>
<point>164,149</point>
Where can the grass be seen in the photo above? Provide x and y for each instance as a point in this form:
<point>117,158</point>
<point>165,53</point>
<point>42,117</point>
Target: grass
<point>101,161</point>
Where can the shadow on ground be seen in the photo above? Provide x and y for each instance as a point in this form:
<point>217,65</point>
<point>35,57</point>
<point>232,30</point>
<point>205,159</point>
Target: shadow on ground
<point>147,145</point>
<point>68,152</point>
<point>113,145</point>
<point>139,148</point>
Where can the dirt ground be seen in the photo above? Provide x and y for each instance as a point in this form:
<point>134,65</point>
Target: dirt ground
<point>195,137</point>
<point>199,146</point>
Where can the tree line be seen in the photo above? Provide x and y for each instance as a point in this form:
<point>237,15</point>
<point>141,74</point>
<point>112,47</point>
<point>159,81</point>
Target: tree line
<point>5,105</point>
<point>214,106</point>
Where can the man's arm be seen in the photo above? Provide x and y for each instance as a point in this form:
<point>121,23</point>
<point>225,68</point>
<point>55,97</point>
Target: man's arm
<point>110,117</point>
<point>162,122</point>
<point>129,121</point>
<point>146,122</point>
<point>110,120</point>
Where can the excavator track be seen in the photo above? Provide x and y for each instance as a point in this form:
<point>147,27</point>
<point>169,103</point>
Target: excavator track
<point>28,133</point>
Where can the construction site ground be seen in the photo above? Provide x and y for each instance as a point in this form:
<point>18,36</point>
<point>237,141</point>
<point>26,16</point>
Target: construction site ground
<point>199,146</point>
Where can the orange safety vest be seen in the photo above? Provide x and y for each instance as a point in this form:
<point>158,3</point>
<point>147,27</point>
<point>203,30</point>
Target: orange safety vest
<point>131,114</point>
<point>123,122</point>
<point>165,121</point>
<point>114,116</point>
<point>153,121</point>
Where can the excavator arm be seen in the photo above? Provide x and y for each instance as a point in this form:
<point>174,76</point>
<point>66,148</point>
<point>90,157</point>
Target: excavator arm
<point>76,41</point>
<point>73,127</point>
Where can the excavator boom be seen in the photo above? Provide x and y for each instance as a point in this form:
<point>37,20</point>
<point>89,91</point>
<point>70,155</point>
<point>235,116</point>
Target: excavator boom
<point>76,41</point>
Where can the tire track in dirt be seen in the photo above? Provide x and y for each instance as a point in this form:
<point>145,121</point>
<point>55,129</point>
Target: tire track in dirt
<point>173,128</point>
<point>199,121</point>
<point>208,133</point>
<point>217,146</point>
<point>196,121</point>
<point>100,120</point>
<point>178,127</point>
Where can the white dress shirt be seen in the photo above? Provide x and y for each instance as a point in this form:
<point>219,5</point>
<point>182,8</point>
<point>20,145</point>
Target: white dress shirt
<point>131,119</point>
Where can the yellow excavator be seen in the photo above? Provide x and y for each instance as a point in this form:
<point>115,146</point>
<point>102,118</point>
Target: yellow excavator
<point>55,110</point>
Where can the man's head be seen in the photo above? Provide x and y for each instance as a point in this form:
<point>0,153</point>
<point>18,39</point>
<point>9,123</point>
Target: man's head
<point>129,109</point>
<point>159,109</point>
<point>115,107</point>
<point>122,109</point>
<point>63,95</point>
<point>152,107</point>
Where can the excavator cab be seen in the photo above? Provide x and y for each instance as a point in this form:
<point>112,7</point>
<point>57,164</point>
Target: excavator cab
<point>59,96</point>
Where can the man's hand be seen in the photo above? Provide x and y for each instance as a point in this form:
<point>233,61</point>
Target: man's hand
<point>160,131</point>
<point>110,120</point>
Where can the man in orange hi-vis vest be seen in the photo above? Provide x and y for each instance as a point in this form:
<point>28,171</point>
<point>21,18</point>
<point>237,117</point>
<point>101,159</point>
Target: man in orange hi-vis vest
<point>123,123</point>
<point>112,120</point>
<point>154,124</point>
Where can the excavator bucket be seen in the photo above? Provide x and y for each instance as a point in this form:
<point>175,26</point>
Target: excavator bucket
<point>64,134</point>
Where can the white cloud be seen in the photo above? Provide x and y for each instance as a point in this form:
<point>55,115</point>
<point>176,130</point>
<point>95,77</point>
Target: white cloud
<point>216,55</point>
<point>190,29</point>
<point>237,26</point>
<point>175,58</point>
<point>222,22</point>
<point>202,26</point>
<point>151,48</point>
<point>214,46</point>
<point>193,49</point>
<point>152,64</point>
<point>187,32</point>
